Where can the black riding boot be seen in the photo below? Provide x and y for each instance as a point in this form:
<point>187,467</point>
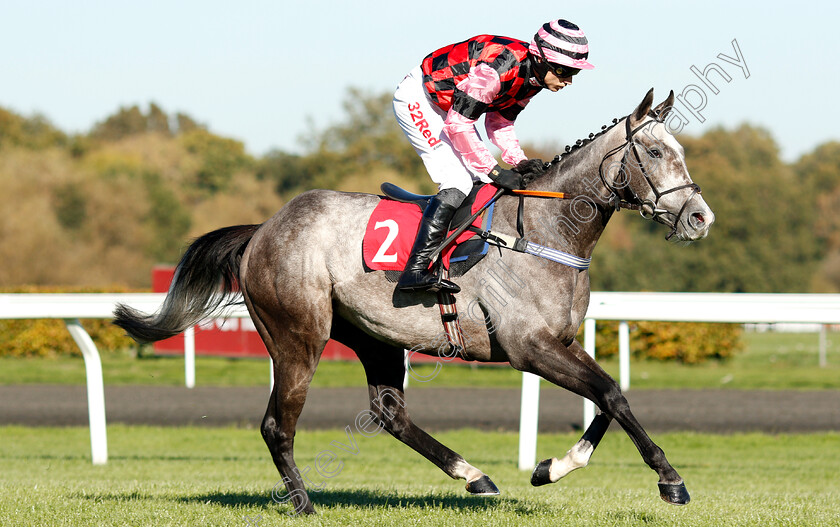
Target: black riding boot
<point>433,228</point>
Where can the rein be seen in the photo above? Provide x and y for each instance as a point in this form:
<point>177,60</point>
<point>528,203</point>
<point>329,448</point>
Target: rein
<point>647,208</point>
<point>520,212</point>
<point>542,194</point>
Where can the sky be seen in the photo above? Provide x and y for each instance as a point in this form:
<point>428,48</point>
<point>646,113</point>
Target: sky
<point>268,72</point>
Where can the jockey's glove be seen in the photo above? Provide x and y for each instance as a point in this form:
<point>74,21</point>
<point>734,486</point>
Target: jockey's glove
<point>530,169</point>
<point>506,178</point>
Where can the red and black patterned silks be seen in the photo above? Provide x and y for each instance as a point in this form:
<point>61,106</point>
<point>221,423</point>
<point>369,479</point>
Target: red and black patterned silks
<point>444,68</point>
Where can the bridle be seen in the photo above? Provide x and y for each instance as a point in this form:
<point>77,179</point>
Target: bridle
<point>647,208</point>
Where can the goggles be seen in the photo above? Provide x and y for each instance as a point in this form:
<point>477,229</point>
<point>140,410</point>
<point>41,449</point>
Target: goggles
<point>558,69</point>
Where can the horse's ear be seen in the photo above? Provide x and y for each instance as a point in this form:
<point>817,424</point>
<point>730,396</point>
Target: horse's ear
<point>643,109</point>
<point>664,107</point>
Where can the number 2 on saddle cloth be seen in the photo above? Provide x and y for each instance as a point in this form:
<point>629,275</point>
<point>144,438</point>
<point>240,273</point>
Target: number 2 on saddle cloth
<point>393,226</point>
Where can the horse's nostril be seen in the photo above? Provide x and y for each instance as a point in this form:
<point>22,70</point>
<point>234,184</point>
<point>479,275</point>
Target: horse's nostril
<point>698,218</point>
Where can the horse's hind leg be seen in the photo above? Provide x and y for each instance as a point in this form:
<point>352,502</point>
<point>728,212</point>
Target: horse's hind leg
<point>385,370</point>
<point>295,341</point>
<point>570,367</point>
<point>553,469</point>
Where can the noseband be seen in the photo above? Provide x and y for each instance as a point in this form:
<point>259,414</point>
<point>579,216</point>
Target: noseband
<point>647,208</point>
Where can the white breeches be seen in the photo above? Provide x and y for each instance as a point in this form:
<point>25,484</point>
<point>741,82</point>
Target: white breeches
<point>422,122</point>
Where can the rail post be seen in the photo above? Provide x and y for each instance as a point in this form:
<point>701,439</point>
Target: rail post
<point>95,391</point>
<point>529,420</point>
<point>589,346</point>
<point>189,357</point>
<point>624,355</point>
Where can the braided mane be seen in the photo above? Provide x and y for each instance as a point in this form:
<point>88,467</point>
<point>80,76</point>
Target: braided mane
<point>580,143</point>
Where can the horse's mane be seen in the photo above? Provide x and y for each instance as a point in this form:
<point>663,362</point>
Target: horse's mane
<point>581,143</point>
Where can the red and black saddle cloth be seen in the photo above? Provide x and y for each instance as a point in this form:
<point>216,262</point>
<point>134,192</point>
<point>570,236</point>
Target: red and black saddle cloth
<point>394,222</point>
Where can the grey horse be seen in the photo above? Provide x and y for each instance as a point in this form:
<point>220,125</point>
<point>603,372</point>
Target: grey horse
<point>303,280</point>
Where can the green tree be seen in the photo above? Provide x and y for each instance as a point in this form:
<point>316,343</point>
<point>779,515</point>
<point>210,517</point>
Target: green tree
<point>370,134</point>
<point>157,120</point>
<point>186,123</point>
<point>288,171</point>
<point>168,219</point>
<point>820,170</point>
<point>366,140</point>
<point>70,206</point>
<point>220,158</point>
<point>34,132</point>
<point>126,122</point>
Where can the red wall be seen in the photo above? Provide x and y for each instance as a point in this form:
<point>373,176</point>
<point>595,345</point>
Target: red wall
<point>229,337</point>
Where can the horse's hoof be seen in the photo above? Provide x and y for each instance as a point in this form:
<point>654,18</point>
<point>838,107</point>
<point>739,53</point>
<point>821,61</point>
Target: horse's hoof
<point>672,493</point>
<point>483,486</point>
<point>541,473</point>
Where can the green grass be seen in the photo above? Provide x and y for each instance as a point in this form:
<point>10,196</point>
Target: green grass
<point>201,476</point>
<point>124,368</point>
<point>770,361</point>
<point>780,361</point>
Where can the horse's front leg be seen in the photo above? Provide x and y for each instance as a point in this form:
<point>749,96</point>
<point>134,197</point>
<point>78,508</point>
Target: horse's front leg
<point>572,368</point>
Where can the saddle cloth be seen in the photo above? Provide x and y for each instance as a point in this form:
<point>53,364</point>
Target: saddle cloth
<point>393,226</point>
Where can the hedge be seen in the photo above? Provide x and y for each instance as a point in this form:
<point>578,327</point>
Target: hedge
<point>688,343</point>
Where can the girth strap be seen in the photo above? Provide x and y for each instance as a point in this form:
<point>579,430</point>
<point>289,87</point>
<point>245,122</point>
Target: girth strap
<point>521,245</point>
<point>449,317</point>
<point>569,260</point>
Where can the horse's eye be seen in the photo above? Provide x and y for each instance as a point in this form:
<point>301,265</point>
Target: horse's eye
<point>655,152</point>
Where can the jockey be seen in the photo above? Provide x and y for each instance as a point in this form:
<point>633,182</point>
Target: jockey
<point>438,103</point>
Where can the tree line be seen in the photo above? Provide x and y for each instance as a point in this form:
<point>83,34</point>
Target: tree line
<point>101,208</point>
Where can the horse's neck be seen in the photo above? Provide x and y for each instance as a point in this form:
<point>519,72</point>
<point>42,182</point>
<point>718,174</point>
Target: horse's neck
<point>572,225</point>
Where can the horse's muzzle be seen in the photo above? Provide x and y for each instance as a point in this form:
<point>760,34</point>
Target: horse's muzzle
<point>696,221</point>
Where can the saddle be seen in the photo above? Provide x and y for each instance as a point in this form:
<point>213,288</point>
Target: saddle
<point>394,222</point>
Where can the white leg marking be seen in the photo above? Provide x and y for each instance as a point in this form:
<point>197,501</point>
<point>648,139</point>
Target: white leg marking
<point>577,457</point>
<point>463,470</point>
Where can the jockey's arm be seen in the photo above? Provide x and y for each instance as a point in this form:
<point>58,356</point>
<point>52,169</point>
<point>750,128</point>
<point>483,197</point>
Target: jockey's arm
<point>472,97</point>
<point>500,132</point>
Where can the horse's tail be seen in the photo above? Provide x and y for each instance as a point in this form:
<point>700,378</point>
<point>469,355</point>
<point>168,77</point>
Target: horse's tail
<point>203,281</point>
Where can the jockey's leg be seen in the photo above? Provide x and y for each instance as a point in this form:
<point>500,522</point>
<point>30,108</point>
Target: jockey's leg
<point>433,228</point>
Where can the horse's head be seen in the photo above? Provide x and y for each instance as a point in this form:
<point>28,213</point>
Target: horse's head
<point>648,173</point>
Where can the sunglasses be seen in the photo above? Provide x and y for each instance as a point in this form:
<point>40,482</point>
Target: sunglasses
<point>558,69</point>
